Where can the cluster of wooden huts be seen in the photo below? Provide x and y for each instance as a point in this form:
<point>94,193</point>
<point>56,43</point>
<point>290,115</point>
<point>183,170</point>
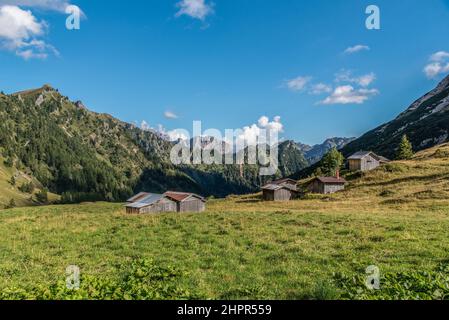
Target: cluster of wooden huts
<point>278,190</point>
<point>286,189</point>
<point>168,202</point>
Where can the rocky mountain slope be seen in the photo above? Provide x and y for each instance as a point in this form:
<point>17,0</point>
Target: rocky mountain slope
<point>425,122</point>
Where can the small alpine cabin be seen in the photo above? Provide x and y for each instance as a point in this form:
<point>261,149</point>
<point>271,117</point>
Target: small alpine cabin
<point>280,190</point>
<point>327,185</point>
<point>187,202</point>
<point>365,161</point>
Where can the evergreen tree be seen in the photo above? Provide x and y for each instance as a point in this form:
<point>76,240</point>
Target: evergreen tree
<point>12,181</point>
<point>332,162</point>
<point>405,150</point>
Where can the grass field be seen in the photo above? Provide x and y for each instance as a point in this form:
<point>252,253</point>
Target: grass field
<point>396,218</point>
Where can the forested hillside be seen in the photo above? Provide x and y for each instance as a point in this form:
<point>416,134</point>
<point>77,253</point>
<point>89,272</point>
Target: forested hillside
<point>86,156</point>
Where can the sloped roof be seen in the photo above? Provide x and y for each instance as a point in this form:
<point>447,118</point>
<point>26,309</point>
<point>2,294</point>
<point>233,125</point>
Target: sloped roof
<point>181,196</point>
<point>332,180</point>
<point>361,155</point>
<point>146,201</point>
<point>137,196</point>
<point>272,187</point>
<point>286,180</point>
<point>275,187</point>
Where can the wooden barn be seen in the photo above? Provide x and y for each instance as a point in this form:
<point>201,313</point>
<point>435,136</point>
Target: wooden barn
<point>279,192</point>
<point>365,161</point>
<point>187,202</point>
<point>151,203</point>
<point>327,185</point>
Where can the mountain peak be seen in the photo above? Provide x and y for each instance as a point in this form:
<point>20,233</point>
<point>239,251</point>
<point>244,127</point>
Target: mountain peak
<point>425,122</point>
<point>44,88</point>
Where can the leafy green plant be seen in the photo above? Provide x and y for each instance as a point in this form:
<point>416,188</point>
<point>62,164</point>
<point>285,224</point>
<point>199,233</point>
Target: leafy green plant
<point>414,285</point>
<point>141,280</point>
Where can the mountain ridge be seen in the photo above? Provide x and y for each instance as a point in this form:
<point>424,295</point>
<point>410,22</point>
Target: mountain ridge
<point>87,156</point>
<point>425,122</point>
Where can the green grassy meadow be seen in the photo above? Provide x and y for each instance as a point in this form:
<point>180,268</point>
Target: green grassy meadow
<point>396,218</point>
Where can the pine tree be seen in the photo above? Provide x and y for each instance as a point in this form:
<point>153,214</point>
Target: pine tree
<point>13,181</point>
<point>405,150</point>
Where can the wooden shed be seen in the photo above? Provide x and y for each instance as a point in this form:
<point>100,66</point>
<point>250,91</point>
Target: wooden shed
<point>151,203</point>
<point>327,185</point>
<point>293,184</point>
<point>137,197</point>
<point>365,161</point>
<point>279,192</point>
<point>187,202</point>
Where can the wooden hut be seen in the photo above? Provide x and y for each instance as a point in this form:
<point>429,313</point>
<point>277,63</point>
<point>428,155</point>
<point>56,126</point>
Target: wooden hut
<point>137,197</point>
<point>187,202</point>
<point>279,192</point>
<point>327,185</point>
<point>151,203</point>
<point>365,161</point>
<point>287,182</point>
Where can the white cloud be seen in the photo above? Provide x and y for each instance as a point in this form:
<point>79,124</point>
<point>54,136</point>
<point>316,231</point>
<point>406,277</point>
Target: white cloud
<point>145,126</point>
<point>348,95</point>
<point>250,134</point>
<point>439,56</point>
<point>19,33</point>
<point>197,9</point>
<point>438,64</point>
<point>320,88</point>
<point>170,115</point>
<point>57,5</point>
<point>297,84</point>
<point>356,49</point>
<point>363,81</point>
<point>17,24</point>
<point>171,135</point>
<point>176,135</point>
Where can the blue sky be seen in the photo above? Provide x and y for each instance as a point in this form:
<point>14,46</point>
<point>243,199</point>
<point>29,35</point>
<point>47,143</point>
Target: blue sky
<point>227,63</point>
